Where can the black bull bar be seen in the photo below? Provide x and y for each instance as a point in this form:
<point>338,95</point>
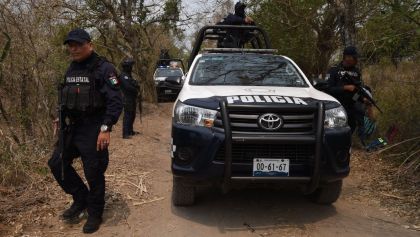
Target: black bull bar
<point>317,138</point>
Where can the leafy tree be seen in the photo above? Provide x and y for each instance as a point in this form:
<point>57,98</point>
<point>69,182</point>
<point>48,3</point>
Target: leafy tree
<point>392,31</point>
<point>304,30</point>
<point>136,29</point>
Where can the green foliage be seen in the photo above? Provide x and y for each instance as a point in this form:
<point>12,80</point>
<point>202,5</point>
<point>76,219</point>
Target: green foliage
<point>302,30</point>
<point>171,13</point>
<point>310,31</point>
<point>391,32</point>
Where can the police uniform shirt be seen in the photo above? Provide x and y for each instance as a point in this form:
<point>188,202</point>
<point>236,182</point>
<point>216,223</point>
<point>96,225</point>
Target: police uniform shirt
<point>337,77</point>
<point>106,85</point>
<point>129,86</point>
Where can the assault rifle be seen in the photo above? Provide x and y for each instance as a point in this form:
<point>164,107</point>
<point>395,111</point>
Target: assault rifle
<point>140,103</point>
<point>361,92</point>
<point>61,128</point>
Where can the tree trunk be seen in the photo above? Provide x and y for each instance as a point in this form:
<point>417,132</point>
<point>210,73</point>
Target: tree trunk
<point>349,23</point>
<point>24,106</point>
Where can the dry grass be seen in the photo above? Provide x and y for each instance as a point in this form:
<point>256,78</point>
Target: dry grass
<point>397,90</point>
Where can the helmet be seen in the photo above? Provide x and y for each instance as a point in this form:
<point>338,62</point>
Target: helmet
<point>240,9</point>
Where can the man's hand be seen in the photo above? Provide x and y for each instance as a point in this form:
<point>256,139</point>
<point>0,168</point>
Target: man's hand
<point>104,139</point>
<point>350,88</point>
<point>367,102</point>
<point>248,20</point>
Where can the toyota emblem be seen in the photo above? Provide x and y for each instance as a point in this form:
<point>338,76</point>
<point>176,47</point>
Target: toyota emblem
<point>270,122</point>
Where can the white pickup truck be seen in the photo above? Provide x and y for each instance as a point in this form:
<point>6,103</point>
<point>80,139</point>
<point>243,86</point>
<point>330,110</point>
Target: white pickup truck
<point>251,116</point>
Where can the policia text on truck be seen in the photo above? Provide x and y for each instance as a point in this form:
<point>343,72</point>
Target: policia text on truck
<point>248,115</point>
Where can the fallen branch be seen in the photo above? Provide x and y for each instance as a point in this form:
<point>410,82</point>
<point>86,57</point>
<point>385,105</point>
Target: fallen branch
<point>408,158</point>
<point>392,196</point>
<point>148,201</point>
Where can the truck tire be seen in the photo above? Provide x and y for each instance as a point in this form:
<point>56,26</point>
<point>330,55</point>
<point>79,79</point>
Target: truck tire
<point>327,194</point>
<point>182,194</point>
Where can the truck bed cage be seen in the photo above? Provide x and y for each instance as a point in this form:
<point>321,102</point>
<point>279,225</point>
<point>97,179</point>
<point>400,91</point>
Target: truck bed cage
<point>260,39</point>
<point>239,50</point>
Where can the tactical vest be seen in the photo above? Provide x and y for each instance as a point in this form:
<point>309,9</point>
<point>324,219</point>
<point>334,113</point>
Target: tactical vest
<point>79,93</point>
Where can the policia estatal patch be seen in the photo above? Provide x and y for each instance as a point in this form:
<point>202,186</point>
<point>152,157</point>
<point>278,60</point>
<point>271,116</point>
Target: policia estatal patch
<point>113,81</point>
<point>276,99</point>
<point>78,79</point>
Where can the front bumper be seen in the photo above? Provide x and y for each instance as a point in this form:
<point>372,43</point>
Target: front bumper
<point>167,90</point>
<point>203,155</point>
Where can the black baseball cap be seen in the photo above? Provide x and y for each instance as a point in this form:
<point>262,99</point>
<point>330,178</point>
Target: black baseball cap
<point>77,35</point>
<point>351,51</point>
<point>128,62</point>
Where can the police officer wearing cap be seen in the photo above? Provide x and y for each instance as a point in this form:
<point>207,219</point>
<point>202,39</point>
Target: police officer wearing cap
<point>342,80</point>
<point>92,103</point>
<point>130,88</point>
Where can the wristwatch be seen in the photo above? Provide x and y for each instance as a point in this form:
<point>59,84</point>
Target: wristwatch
<point>105,128</point>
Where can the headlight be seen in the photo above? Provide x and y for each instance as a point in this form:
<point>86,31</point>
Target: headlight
<point>194,116</point>
<point>335,118</point>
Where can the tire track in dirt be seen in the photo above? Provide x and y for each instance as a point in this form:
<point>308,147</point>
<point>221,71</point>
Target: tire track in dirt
<point>139,200</point>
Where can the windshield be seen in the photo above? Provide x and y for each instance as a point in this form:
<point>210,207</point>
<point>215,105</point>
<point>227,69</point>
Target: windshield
<point>168,72</point>
<point>246,70</point>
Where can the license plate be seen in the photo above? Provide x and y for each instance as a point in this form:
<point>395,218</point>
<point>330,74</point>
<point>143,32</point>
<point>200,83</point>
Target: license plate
<point>270,167</point>
<point>168,91</point>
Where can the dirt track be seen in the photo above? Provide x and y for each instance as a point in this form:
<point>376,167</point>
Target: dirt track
<point>139,201</point>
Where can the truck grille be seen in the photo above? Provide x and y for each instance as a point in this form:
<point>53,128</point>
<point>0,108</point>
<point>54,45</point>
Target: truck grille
<point>247,122</point>
<point>299,154</point>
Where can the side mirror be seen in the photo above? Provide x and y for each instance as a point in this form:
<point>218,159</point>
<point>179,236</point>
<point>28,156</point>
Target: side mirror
<point>321,85</point>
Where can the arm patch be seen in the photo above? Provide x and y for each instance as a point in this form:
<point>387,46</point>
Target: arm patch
<point>113,81</point>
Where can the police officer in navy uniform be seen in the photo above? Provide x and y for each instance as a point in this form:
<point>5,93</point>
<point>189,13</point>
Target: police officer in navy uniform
<point>130,88</point>
<point>342,80</point>
<point>92,102</point>
<point>236,38</point>
<point>239,17</point>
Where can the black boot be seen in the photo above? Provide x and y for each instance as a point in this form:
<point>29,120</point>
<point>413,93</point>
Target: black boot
<point>92,224</point>
<point>74,211</point>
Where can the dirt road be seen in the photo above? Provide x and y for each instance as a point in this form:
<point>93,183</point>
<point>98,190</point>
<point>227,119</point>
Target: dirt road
<point>139,201</point>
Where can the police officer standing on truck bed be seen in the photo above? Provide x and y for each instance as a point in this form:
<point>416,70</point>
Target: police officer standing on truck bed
<point>239,18</point>
<point>92,103</point>
<point>236,38</point>
<point>130,88</point>
<point>342,80</point>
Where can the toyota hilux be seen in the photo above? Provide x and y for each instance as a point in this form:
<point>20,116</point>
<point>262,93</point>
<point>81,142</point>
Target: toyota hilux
<point>168,78</point>
<point>249,115</point>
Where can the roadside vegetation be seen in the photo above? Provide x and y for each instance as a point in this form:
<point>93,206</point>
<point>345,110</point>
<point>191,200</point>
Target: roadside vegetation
<point>312,33</point>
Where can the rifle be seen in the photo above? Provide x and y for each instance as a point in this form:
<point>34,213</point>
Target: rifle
<point>140,102</point>
<point>62,125</point>
<point>361,92</point>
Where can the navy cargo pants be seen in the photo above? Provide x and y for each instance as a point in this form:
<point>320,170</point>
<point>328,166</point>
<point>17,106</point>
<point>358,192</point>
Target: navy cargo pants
<point>81,142</point>
<point>129,116</point>
<point>355,116</point>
